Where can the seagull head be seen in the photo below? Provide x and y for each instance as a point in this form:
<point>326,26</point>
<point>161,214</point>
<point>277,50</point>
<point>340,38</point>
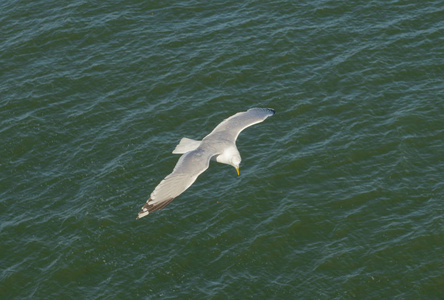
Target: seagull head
<point>230,156</point>
<point>235,161</point>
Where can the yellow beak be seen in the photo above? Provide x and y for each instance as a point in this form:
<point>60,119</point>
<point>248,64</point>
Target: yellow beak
<point>237,169</point>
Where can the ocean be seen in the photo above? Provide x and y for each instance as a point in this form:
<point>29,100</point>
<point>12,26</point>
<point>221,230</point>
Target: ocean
<point>340,193</point>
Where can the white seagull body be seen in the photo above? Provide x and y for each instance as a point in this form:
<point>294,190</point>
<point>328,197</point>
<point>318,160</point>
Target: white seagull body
<point>219,145</point>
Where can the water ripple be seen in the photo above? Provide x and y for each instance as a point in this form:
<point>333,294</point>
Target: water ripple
<point>339,194</point>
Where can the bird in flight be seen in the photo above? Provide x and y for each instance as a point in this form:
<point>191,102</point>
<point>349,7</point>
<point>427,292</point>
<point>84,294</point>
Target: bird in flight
<point>219,145</point>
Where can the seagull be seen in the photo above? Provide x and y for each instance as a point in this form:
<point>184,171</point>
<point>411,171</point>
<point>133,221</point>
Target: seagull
<point>219,145</point>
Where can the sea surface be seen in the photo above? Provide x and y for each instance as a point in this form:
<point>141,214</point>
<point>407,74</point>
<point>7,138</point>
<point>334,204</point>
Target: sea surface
<point>340,193</point>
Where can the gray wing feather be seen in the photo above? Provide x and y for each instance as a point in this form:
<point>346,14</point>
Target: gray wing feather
<point>186,171</point>
<point>231,127</point>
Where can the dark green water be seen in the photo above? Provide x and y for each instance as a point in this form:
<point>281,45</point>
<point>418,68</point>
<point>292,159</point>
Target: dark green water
<point>340,194</point>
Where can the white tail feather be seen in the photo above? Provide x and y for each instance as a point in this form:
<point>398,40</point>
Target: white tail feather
<point>186,145</point>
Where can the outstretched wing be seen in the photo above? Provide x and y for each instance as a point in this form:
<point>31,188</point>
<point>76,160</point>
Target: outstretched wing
<point>186,171</point>
<point>231,127</point>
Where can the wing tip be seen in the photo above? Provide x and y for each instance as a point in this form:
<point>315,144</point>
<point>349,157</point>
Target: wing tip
<point>149,207</point>
<point>142,214</point>
<point>145,210</point>
<point>271,111</point>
